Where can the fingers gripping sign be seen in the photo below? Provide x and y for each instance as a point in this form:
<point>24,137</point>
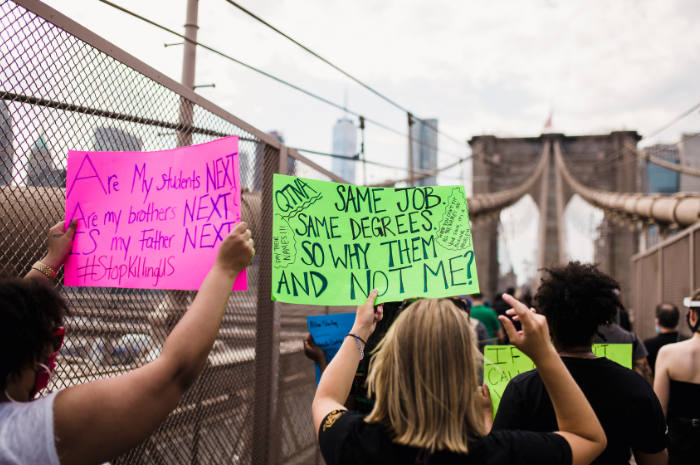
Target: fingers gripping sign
<point>236,251</point>
<point>367,317</point>
<point>60,244</point>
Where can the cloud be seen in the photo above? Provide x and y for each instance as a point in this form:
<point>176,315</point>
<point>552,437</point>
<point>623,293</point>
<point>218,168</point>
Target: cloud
<point>480,66</point>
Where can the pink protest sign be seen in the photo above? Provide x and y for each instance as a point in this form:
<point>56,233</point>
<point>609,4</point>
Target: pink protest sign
<point>152,220</point>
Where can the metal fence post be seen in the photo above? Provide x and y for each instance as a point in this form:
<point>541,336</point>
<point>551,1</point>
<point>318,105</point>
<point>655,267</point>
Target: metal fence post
<point>661,274</point>
<point>267,322</point>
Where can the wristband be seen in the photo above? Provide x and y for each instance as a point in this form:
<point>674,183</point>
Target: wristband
<point>359,347</point>
<point>43,268</point>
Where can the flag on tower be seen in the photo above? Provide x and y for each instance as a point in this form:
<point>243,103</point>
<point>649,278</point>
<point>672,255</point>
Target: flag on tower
<point>548,124</point>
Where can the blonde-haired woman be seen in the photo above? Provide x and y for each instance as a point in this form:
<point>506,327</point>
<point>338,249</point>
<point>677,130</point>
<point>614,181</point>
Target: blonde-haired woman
<point>428,411</point>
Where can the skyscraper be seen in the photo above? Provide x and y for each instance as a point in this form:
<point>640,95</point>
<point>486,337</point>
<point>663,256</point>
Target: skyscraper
<point>425,140</point>
<point>657,179</point>
<point>689,150</point>
<point>7,151</point>
<point>115,140</point>
<point>41,171</point>
<point>345,143</point>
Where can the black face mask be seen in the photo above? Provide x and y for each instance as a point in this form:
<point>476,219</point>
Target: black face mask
<point>693,329</point>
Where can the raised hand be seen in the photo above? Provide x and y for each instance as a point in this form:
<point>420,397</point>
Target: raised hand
<point>312,351</point>
<point>236,251</point>
<point>534,339</point>
<point>366,317</point>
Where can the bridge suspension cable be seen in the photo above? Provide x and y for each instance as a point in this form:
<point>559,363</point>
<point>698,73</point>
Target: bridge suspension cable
<point>492,202</point>
<point>375,92</point>
<point>281,81</point>
<point>680,209</point>
<point>660,161</point>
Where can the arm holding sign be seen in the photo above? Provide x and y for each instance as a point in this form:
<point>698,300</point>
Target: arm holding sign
<point>336,381</point>
<point>60,244</point>
<point>100,420</point>
<point>577,421</point>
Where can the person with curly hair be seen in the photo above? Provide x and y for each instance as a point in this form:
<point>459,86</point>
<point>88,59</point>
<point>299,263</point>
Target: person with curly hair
<point>677,384</point>
<point>96,421</point>
<point>576,299</point>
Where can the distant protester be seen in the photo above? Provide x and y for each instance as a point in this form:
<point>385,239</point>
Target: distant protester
<point>677,383</point>
<point>578,299</point>
<point>500,306</point>
<point>615,334</point>
<point>666,325</point>
<point>429,406</point>
<point>487,316</point>
<point>96,421</point>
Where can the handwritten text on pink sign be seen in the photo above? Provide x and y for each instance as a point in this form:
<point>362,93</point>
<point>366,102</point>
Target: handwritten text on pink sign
<point>152,219</point>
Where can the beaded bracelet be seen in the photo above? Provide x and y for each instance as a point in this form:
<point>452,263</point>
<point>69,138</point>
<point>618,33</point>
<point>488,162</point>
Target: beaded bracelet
<point>44,268</point>
<point>359,347</point>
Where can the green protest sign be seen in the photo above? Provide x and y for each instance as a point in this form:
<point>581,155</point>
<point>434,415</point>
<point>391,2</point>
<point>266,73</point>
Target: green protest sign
<point>333,243</point>
<point>503,363</point>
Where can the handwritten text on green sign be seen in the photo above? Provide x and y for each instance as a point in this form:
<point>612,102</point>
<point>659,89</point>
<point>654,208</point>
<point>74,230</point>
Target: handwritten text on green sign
<point>503,363</point>
<point>333,243</point>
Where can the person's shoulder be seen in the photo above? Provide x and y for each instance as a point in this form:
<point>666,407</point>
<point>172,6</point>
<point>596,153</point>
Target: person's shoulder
<point>652,341</point>
<point>340,418</point>
<point>27,432</point>
<point>629,381</point>
<point>677,348</point>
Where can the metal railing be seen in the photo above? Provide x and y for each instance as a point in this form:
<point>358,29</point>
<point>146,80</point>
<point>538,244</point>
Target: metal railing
<point>63,87</point>
<point>667,272</point>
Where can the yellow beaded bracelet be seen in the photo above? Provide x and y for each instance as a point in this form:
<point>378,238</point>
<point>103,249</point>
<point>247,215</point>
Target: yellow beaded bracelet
<point>47,270</point>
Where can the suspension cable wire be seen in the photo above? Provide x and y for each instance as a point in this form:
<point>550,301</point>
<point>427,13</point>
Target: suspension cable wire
<point>614,158</point>
<point>660,161</point>
<point>275,78</point>
<point>375,92</point>
<point>424,172</point>
<point>612,162</point>
<point>672,122</point>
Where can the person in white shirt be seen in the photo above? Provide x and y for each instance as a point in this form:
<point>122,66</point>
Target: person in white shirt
<point>94,422</point>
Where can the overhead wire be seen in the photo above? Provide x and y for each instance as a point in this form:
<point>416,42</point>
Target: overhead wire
<point>659,161</point>
<point>672,122</point>
<point>370,162</point>
<point>281,81</point>
<point>375,92</point>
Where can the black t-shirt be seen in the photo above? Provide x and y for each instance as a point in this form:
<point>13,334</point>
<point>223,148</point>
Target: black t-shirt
<point>624,402</point>
<point>654,344</point>
<point>346,439</point>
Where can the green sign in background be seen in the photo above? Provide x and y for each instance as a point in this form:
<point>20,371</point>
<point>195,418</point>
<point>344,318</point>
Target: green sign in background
<point>333,243</point>
<point>503,363</point>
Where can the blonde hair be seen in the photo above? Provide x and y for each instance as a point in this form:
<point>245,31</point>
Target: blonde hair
<point>423,377</point>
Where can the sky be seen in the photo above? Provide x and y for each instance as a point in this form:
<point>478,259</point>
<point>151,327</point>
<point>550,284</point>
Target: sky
<point>480,67</point>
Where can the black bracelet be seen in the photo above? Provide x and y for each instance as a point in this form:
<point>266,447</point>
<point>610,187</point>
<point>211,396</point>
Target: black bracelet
<point>359,347</point>
<point>358,337</point>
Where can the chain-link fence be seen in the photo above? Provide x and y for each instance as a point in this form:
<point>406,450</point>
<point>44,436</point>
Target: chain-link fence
<point>63,87</point>
<point>668,272</point>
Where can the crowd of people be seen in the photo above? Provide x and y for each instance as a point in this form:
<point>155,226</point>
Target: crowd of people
<point>405,385</point>
<point>414,394</point>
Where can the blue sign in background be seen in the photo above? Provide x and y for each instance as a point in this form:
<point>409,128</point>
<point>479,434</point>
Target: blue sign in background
<point>329,332</point>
